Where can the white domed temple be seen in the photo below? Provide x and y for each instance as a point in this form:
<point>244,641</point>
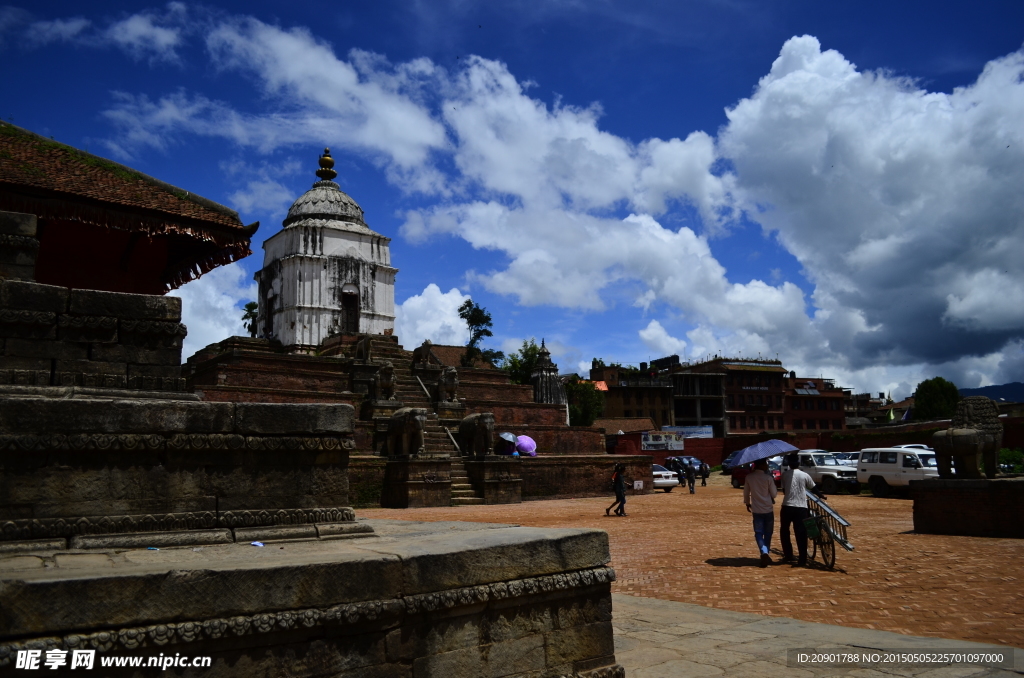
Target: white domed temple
<point>325,272</point>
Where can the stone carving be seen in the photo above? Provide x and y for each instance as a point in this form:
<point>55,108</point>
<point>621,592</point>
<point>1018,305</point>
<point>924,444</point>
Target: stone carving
<point>974,434</point>
<point>43,528</point>
<point>178,442</point>
<point>423,354</point>
<point>361,349</point>
<point>383,383</point>
<point>476,434</point>
<point>448,385</point>
<point>405,431</point>
<point>158,635</point>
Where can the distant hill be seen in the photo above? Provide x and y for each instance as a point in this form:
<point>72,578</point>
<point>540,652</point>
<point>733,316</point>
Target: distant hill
<point>1011,393</point>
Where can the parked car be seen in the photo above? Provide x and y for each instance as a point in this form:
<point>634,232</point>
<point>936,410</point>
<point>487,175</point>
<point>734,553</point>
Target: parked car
<point>884,468</point>
<point>739,473</point>
<point>823,467</point>
<point>846,458</point>
<point>914,446</point>
<point>726,463</point>
<point>663,478</point>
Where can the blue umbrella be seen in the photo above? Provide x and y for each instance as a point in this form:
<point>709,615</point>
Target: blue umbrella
<point>768,448</point>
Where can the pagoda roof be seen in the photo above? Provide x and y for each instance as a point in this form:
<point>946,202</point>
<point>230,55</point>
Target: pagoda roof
<point>57,182</point>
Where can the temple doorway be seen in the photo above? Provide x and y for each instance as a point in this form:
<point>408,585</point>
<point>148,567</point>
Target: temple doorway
<point>350,312</point>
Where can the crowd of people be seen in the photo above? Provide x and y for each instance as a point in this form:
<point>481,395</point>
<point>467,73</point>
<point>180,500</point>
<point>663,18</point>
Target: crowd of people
<point>688,471</point>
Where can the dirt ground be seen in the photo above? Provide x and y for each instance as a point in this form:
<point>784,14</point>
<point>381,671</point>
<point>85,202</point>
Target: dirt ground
<point>700,549</point>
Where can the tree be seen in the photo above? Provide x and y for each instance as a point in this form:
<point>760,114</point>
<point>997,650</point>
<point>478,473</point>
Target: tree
<point>935,399</point>
<point>252,310</point>
<point>520,365</point>
<point>478,320</point>
<point>586,403</point>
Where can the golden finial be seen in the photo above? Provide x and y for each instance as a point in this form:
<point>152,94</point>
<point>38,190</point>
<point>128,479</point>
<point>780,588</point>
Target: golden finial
<point>326,163</point>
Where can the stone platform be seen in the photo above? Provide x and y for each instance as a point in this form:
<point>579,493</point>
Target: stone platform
<point>970,508</point>
<point>417,599</point>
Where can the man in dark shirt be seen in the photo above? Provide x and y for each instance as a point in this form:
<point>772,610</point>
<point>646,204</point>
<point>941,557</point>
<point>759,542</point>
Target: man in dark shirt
<point>691,477</point>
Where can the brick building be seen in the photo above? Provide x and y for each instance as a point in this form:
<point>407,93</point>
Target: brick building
<point>635,393</point>
<point>699,400</point>
<point>814,403</point>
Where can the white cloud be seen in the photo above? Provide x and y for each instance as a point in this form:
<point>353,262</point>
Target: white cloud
<point>903,206</point>
<point>263,192</point>
<point>431,315</point>
<point>657,339</point>
<point>149,35</point>
<point>212,306</point>
<point>57,30</point>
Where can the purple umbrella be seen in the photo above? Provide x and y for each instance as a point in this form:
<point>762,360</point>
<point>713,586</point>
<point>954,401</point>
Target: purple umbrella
<point>527,445</point>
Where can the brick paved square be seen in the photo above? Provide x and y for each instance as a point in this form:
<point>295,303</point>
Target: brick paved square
<point>700,549</point>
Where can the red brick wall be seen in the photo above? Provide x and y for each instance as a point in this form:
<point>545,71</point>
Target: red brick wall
<point>560,477</point>
<point>506,414</point>
<point>495,392</point>
<point>559,440</point>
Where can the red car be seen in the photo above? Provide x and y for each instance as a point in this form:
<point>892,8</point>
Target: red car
<point>740,472</point>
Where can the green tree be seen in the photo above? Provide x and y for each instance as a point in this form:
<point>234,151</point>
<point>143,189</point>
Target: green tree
<point>251,309</point>
<point>586,403</point>
<point>935,398</point>
<point>478,320</point>
<point>520,364</point>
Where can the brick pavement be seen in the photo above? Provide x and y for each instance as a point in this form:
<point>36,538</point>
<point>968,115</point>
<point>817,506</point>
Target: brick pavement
<point>700,549</point>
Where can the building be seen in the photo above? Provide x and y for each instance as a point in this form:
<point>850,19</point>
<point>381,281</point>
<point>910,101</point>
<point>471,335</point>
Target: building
<point>325,272</point>
<point>859,407</point>
<point>753,392</point>
<point>699,400</point>
<point>814,404</point>
<point>632,393</point>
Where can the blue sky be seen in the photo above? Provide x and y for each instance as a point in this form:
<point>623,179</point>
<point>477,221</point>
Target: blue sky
<point>837,184</point>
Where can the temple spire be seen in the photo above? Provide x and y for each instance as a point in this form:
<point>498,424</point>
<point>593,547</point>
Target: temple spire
<point>326,173</point>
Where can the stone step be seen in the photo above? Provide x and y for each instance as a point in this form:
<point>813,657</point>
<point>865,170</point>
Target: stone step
<point>462,488</point>
<point>467,501</point>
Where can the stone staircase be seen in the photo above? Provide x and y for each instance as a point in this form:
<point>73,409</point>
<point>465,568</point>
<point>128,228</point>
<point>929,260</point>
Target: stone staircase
<point>411,394</point>
<point>463,493</point>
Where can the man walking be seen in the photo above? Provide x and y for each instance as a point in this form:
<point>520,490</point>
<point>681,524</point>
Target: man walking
<point>619,485</point>
<point>691,476</point>
<point>705,471</point>
<point>759,495</point>
<point>795,484</point>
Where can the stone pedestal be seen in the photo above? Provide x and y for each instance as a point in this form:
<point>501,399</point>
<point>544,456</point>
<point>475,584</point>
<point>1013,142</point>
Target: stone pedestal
<point>499,477</point>
<point>450,410</point>
<point>415,481</point>
<point>973,508</point>
<point>418,599</point>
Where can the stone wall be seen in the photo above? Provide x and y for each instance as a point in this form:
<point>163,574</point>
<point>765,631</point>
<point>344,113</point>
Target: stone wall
<point>80,466</point>
<point>508,413</point>
<point>974,508</point>
<point>558,440</point>
<point>54,336</point>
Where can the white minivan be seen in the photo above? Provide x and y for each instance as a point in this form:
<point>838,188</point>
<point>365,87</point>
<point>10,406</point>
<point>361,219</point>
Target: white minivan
<point>884,468</point>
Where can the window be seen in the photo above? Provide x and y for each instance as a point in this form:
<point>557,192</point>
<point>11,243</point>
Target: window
<point>868,457</point>
<point>627,413</point>
<point>837,424</point>
<point>742,399</point>
<point>822,404</point>
<point>798,424</point>
<point>729,402</point>
<point>796,404</point>
<point>760,423</point>
<point>743,422</point>
<point>823,424</point>
<point>778,402</point>
<point>732,423</point>
<point>750,422</point>
<point>781,423</point>
<point>886,457</point>
<point>910,461</point>
<point>810,423</point>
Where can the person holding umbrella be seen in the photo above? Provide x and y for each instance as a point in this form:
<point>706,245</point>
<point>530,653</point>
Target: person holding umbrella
<point>759,491</point>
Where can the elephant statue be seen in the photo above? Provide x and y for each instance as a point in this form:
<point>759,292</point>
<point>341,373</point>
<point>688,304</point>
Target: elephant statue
<point>447,385</point>
<point>476,435</point>
<point>974,435</point>
<point>423,354</point>
<point>405,431</point>
<point>384,382</point>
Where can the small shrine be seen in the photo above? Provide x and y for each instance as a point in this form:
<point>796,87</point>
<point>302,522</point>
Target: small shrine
<point>325,272</point>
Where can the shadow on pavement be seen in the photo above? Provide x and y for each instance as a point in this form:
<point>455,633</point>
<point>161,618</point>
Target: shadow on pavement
<point>733,562</point>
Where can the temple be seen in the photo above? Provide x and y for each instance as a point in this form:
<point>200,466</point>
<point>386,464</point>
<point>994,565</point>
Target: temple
<point>325,272</point>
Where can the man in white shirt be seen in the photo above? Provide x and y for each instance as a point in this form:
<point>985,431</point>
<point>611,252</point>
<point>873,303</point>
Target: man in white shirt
<point>795,485</point>
<point>759,495</point>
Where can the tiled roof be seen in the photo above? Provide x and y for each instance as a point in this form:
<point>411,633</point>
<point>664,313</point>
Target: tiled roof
<point>625,424</point>
<point>31,161</point>
<point>57,182</point>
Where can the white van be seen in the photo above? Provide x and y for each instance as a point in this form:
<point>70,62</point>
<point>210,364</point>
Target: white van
<point>883,468</point>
